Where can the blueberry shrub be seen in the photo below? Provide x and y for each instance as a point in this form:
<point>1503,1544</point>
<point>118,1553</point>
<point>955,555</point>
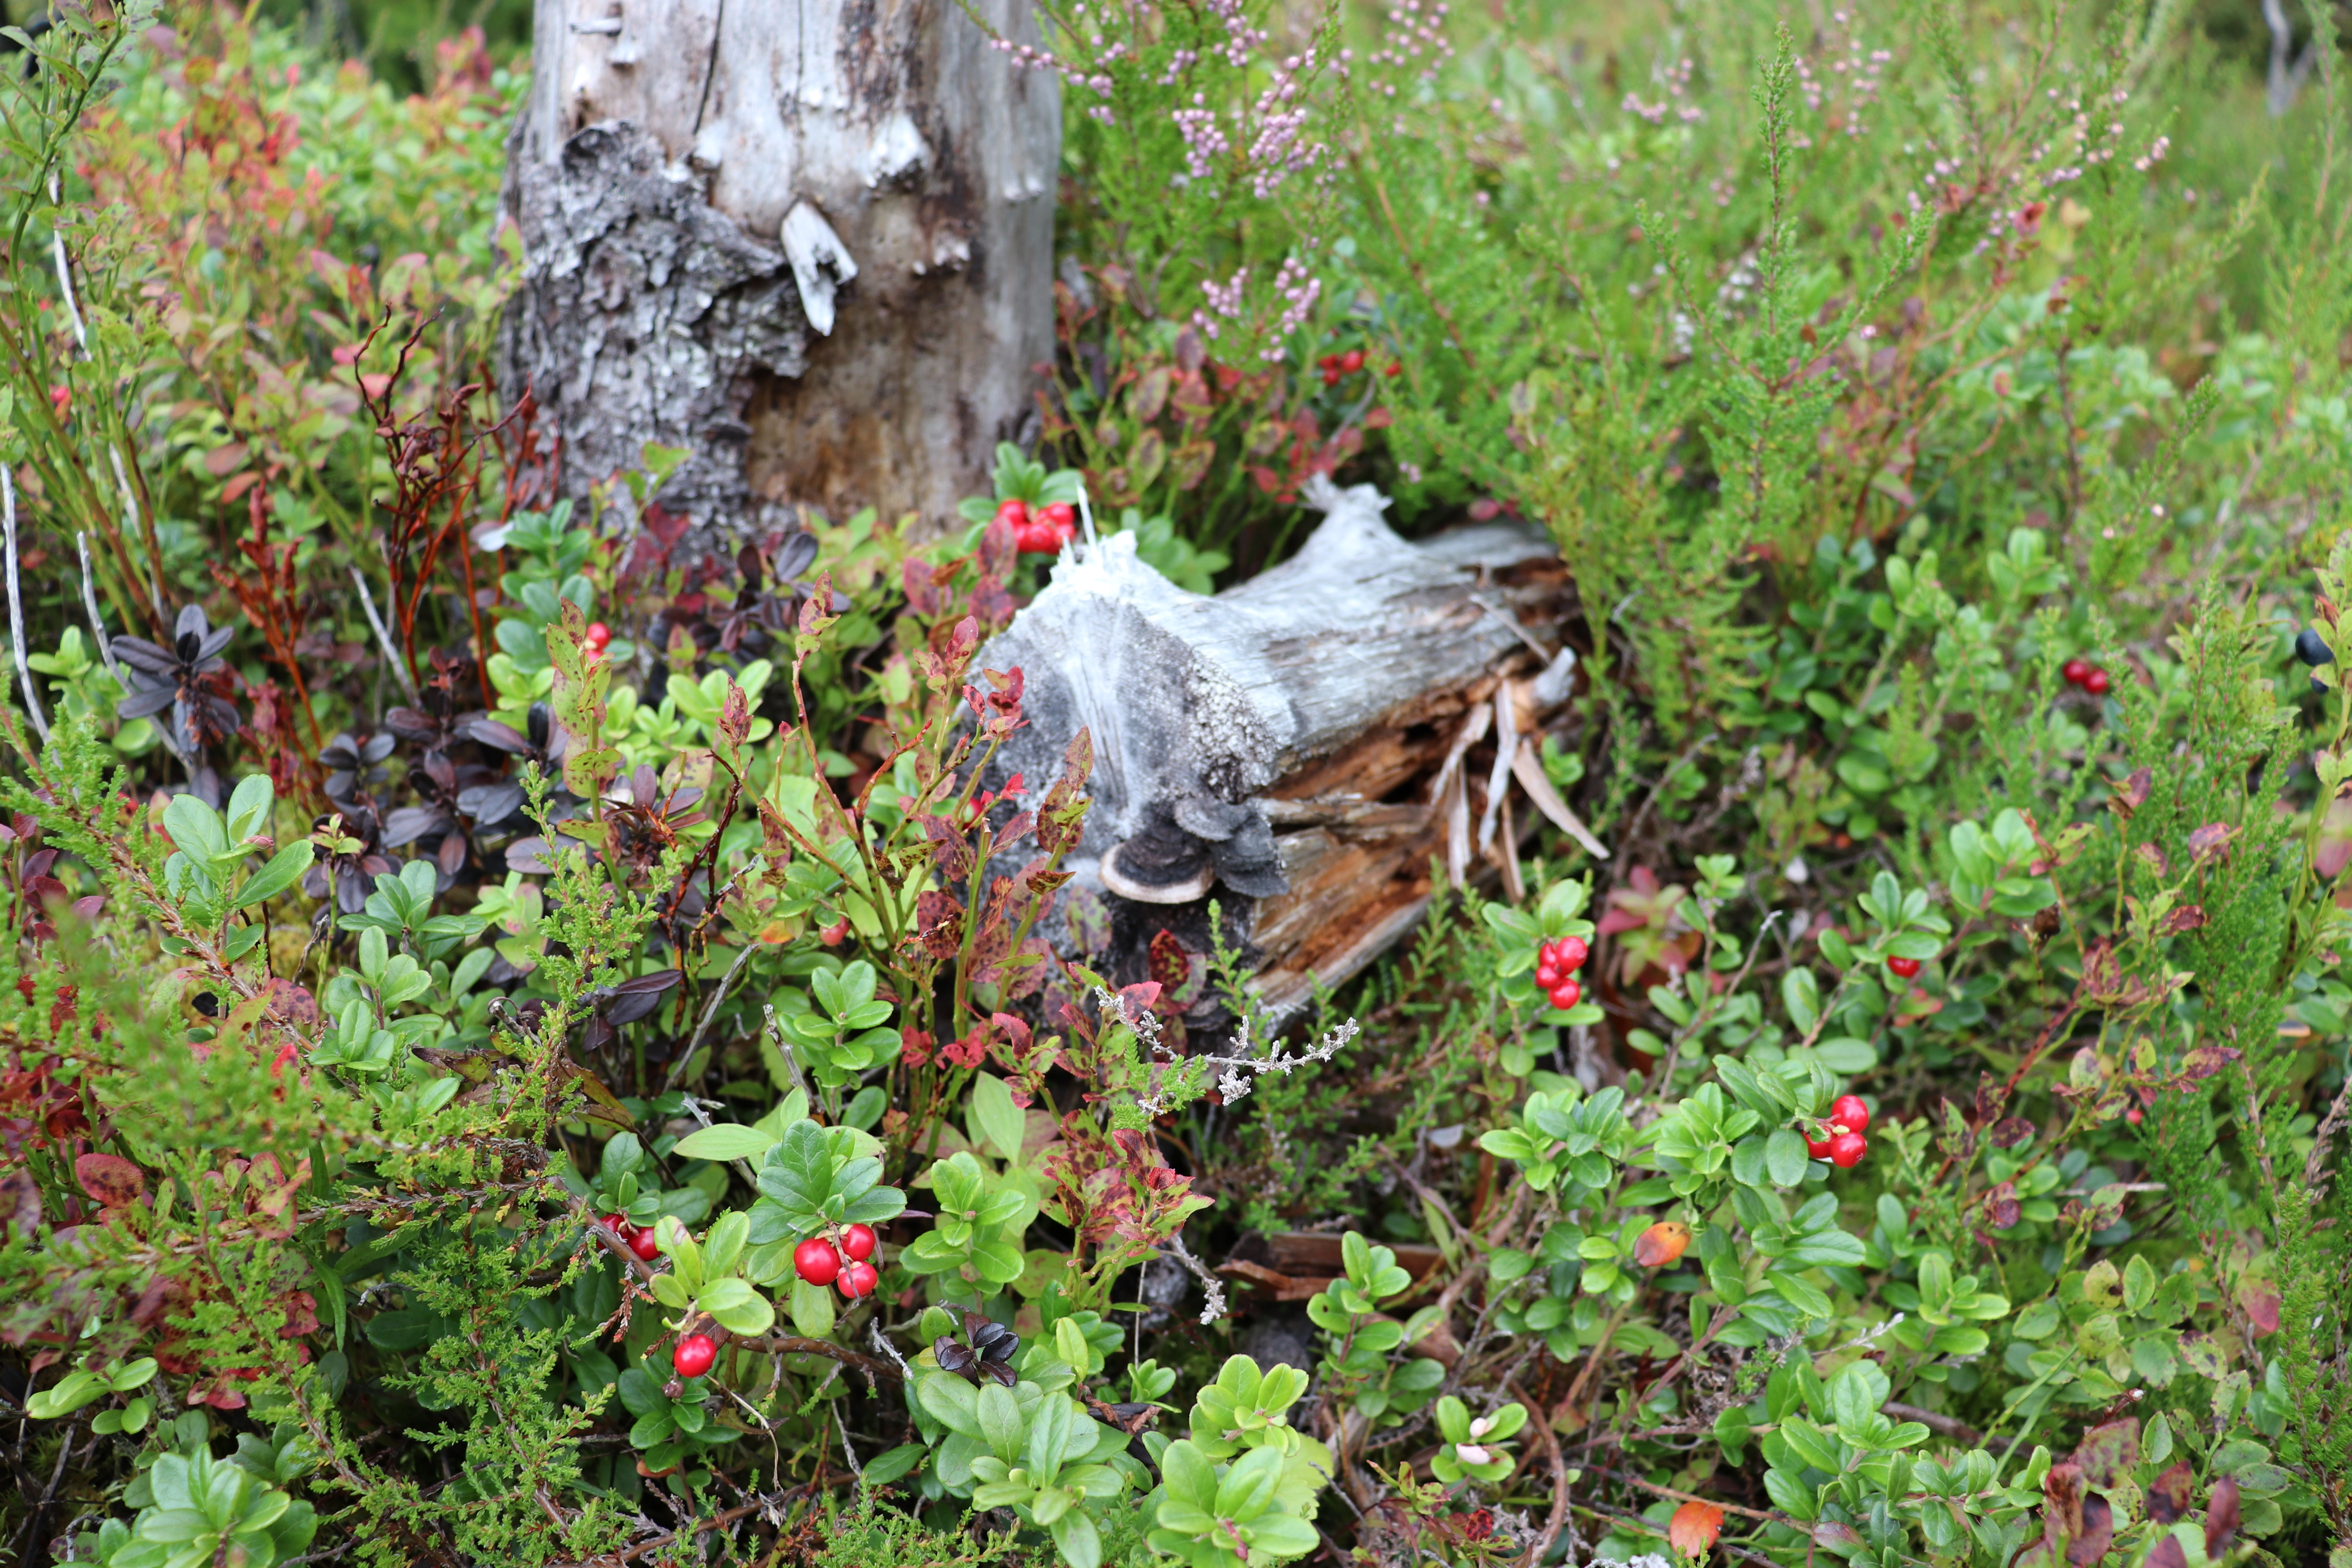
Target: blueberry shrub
<point>524,1043</point>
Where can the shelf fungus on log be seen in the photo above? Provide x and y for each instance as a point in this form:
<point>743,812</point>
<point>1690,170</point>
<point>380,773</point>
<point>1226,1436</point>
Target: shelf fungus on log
<point>1298,750</point>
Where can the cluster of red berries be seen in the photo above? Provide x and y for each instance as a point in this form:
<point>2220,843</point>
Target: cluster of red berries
<point>599,635</point>
<point>1335,366</point>
<point>1845,1146</point>
<point>1043,531</point>
<point>1556,966</point>
<point>2088,676</point>
<point>819,1261</point>
<point>638,1239</point>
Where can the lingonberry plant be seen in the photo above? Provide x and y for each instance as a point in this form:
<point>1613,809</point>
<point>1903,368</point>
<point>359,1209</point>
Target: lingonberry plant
<point>516,1047</point>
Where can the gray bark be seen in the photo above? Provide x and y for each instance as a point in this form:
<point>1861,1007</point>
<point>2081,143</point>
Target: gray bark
<point>811,243</point>
<point>1311,737</point>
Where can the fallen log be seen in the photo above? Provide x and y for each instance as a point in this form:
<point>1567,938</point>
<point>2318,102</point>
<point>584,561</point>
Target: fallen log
<point>1299,749</point>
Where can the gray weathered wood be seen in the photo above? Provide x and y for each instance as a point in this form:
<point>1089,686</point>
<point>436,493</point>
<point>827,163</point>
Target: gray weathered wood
<point>809,241</point>
<point>1331,704</point>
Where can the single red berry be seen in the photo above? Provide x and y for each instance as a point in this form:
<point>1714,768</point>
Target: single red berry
<point>1904,968</point>
<point>1395,367</point>
<point>694,1355</point>
<point>2076,670</point>
<point>1331,376</point>
<point>1328,362</point>
<point>1849,1111</point>
<point>599,633</point>
<point>1819,1147</point>
<point>815,1261</point>
<point>2096,682</point>
<point>1548,975</point>
<point>2133,1116</point>
<point>1569,952</point>
<point>859,1280</point>
<point>857,1241</point>
<point>642,1243</point>
<point>1567,995</point>
<point>1351,362</point>
<point>618,1223</point>
<point>1847,1149</point>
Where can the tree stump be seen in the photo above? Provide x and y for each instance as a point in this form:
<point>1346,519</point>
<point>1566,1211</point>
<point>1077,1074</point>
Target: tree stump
<point>1299,749</point>
<point>809,243</point>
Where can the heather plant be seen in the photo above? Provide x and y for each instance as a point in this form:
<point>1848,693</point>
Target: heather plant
<point>544,1052</point>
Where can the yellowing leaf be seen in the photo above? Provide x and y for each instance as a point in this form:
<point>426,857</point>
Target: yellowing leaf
<point>1694,1527</point>
<point>1659,1245</point>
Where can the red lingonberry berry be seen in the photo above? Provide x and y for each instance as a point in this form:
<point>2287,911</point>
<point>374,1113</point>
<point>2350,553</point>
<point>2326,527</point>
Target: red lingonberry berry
<point>2096,682</point>
<point>1904,968</point>
<point>1569,952</point>
<point>642,1243</point>
<point>1548,975</point>
<point>694,1355</point>
<point>2076,670</point>
<point>618,1223</point>
<point>859,1280</point>
<point>815,1261</point>
<point>1567,995</point>
<point>1060,515</point>
<point>857,1241</point>
<point>599,633</point>
<point>1847,1149</point>
<point>1819,1147</point>
<point>1351,362</point>
<point>1848,1112</point>
<point>1331,376</point>
<point>1395,367</point>
<point>1013,511</point>
<point>1328,362</point>
<point>2133,1116</point>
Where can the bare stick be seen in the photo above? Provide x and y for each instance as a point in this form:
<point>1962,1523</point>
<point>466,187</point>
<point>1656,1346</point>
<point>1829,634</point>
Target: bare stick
<point>717,999</point>
<point>65,278</point>
<point>16,607</point>
<point>383,637</point>
<point>96,621</point>
<point>132,525</point>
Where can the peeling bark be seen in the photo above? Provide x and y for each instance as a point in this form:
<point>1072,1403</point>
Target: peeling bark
<point>810,243</point>
<point>1301,736</point>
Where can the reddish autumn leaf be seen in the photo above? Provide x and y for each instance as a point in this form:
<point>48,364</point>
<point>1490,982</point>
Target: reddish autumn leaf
<point>2132,792</point>
<point>1659,1245</point>
<point>2210,842</point>
<point>110,1179</point>
<point>1694,1527</point>
<point>20,1205</point>
<point>2168,1494</point>
<point>2221,1517</point>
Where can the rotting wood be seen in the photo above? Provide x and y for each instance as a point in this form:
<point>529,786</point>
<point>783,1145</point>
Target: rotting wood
<point>1304,746</point>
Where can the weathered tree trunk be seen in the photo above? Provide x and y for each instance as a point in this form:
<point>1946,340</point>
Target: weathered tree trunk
<point>1300,748</point>
<point>808,241</point>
